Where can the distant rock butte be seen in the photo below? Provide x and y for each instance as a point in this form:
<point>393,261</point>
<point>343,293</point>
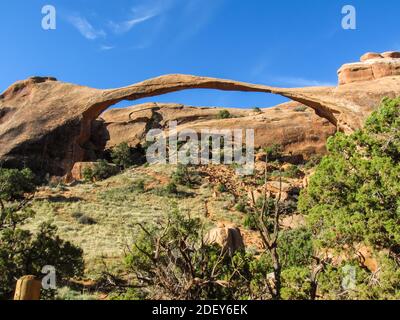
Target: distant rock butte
<point>48,124</point>
<point>299,130</point>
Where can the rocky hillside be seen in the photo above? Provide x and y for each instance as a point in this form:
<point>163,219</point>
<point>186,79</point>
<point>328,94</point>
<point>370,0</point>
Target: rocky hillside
<point>293,126</point>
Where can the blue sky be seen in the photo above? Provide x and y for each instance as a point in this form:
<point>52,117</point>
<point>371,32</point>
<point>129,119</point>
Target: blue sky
<point>107,44</point>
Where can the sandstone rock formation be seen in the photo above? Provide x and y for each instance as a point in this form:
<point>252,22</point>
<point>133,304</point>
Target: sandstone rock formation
<point>370,55</point>
<point>299,130</point>
<point>47,124</point>
<point>372,66</point>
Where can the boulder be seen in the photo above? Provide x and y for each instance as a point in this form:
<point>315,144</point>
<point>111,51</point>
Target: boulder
<point>391,54</point>
<point>228,238</point>
<point>77,172</point>
<point>276,186</point>
<point>367,258</point>
<point>370,56</point>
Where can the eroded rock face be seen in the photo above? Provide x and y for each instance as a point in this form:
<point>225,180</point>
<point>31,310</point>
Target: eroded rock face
<point>372,66</point>
<point>293,126</point>
<point>47,124</point>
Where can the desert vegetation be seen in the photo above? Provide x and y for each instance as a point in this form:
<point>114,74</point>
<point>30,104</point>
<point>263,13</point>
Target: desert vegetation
<point>326,228</point>
<point>21,251</point>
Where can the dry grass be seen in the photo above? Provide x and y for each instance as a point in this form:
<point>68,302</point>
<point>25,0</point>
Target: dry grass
<point>115,206</point>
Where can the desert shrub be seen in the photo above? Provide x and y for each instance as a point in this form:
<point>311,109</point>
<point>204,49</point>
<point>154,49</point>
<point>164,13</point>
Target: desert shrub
<point>130,294</point>
<point>171,188</point>
<point>224,114</point>
<point>353,195</point>
<point>102,170</point>
<point>86,220</point>
<point>257,110</point>
<point>171,261</point>
<point>185,175</point>
<point>138,186</point>
<point>241,207</point>
<point>87,174</point>
<point>250,223</point>
<point>274,152</point>
<point>295,248</point>
<point>66,294</point>
<point>15,183</point>
<point>296,284</point>
<point>122,155</point>
<point>313,161</point>
<point>21,251</point>
<point>83,219</point>
<point>293,172</point>
<point>221,188</point>
<point>300,108</point>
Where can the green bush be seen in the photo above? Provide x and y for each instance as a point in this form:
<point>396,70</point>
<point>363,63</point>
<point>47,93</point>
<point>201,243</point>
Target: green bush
<point>185,176</point>
<point>296,248</point>
<point>354,194</point>
<point>314,161</point>
<point>221,188</point>
<point>171,188</point>
<point>122,155</point>
<point>274,152</point>
<point>21,251</point>
<point>293,172</point>
<point>15,183</point>
<point>300,108</point>
<point>138,186</point>
<point>241,207</point>
<point>296,284</point>
<point>224,114</point>
<point>102,170</point>
<point>257,110</point>
<point>250,223</point>
<point>88,174</point>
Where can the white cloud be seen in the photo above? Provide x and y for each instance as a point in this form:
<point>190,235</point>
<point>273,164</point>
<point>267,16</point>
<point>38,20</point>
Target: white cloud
<point>85,28</point>
<point>259,68</point>
<point>140,14</point>
<point>126,26</point>
<point>106,48</point>
<point>196,16</point>
<point>302,82</point>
